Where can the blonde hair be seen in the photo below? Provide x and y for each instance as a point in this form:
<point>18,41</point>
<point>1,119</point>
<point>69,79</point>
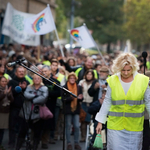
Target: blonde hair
<point>125,59</point>
<point>32,85</point>
<point>72,74</point>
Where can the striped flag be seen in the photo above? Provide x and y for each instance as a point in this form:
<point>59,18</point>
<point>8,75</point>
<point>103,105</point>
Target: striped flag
<point>41,23</point>
<point>82,35</point>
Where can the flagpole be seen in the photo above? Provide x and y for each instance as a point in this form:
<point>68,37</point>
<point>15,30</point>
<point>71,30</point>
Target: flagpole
<point>38,48</point>
<point>62,53</point>
<point>97,47</point>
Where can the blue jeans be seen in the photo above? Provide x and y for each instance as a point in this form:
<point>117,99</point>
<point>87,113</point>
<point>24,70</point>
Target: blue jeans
<point>75,119</point>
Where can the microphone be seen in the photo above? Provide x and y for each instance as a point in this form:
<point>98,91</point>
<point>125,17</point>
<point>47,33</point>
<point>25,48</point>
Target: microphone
<point>16,62</point>
<point>18,89</point>
<point>144,54</point>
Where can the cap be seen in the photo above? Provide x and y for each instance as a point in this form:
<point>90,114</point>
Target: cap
<point>104,69</point>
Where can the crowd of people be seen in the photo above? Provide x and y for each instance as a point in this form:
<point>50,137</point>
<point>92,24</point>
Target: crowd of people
<point>83,75</point>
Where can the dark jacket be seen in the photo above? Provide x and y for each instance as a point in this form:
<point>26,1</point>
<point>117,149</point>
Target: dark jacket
<point>95,106</point>
<point>68,100</point>
<point>5,100</point>
<point>93,92</point>
<point>18,97</point>
<point>53,93</point>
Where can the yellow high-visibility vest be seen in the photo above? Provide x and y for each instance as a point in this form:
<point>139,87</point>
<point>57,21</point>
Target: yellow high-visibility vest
<point>127,111</point>
<point>79,69</point>
<point>28,79</point>
<point>60,77</point>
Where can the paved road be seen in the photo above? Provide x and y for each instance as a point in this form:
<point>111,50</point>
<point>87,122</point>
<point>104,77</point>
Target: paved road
<point>57,146</point>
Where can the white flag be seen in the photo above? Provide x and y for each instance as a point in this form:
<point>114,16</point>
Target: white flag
<point>82,35</point>
<point>13,26</point>
<point>41,23</point>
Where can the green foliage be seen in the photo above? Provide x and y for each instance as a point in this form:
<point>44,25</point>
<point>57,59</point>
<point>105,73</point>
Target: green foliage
<point>104,17</point>
<point>137,26</point>
<point>61,19</point>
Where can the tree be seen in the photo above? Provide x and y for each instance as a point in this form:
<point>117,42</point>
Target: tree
<point>104,17</point>
<point>61,19</point>
<point>137,25</point>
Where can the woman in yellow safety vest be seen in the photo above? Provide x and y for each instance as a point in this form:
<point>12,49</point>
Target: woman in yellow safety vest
<point>127,94</point>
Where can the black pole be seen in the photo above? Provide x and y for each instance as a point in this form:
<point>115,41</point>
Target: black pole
<point>61,87</point>
<point>64,111</point>
<point>144,55</point>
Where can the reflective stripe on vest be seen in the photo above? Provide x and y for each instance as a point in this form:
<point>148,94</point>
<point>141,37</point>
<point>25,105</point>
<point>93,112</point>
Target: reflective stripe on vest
<point>130,102</point>
<point>120,114</point>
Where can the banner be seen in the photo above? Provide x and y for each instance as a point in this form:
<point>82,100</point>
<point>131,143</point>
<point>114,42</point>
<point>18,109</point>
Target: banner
<point>82,35</point>
<point>13,26</point>
<point>41,23</point>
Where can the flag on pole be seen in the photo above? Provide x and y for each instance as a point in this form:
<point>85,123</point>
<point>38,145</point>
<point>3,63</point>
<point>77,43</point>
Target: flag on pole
<point>82,35</point>
<point>41,23</point>
<point>13,26</point>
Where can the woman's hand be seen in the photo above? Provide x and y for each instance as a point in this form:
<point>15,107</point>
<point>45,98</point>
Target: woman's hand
<point>80,96</point>
<point>97,85</point>
<point>99,128</point>
<point>9,89</point>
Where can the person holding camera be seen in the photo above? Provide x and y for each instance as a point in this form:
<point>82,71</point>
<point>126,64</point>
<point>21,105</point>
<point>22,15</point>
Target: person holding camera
<point>36,96</point>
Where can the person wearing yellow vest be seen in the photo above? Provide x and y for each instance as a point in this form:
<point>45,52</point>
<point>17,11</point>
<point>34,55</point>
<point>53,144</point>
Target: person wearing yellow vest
<point>80,70</point>
<point>124,104</point>
<point>58,108</point>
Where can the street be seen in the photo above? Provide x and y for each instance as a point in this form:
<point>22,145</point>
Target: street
<point>57,146</point>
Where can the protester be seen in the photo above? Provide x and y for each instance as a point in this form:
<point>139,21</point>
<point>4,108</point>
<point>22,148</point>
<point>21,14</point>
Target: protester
<point>16,105</point>
<point>146,130</point>
<point>93,109</point>
<point>6,98</point>
<point>80,71</point>
<point>53,94</point>
<point>58,109</point>
<point>126,97</point>
<point>71,61</point>
<point>87,100</point>
<point>2,72</point>
<point>72,110</point>
<point>36,96</point>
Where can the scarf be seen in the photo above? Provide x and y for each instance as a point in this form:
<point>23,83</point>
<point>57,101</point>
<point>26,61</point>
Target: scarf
<point>5,101</point>
<point>73,89</point>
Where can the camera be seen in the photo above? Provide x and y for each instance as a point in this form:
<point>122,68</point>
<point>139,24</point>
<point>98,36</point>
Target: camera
<point>36,109</point>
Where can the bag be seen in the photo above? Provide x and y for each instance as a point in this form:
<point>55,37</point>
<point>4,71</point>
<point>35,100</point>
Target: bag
<point>45,113</point>
<point>82,115</point>
<point>98,142</point>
